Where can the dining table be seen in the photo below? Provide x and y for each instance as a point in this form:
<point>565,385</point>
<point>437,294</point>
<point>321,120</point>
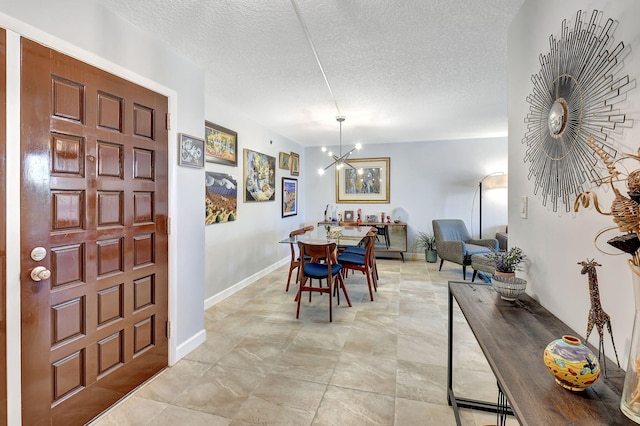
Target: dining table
<point>350,236</point>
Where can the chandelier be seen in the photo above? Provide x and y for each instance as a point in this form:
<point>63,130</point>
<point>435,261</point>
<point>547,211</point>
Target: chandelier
<point>340,160</point>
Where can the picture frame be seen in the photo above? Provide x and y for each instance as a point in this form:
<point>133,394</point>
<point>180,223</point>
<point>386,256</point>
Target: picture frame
<point>221,198</point>
<point>289,197</point>
<point>372,186</point>
<point>259,177</point>
<point>295,164</point>
<point>191,151</point>
<point>348,216</point>
<point>284,161</point>
<point>221,144</point>
<point>372,218</point>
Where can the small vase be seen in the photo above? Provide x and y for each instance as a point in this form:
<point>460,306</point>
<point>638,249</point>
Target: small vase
<point>431,256</point>
<point>630,401</point>
<point>572,364</point>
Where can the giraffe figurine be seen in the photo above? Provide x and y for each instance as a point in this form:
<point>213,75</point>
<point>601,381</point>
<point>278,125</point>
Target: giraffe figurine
<point>597,315</point>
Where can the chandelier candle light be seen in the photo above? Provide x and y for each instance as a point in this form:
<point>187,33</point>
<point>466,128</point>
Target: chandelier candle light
<point>340,160</point>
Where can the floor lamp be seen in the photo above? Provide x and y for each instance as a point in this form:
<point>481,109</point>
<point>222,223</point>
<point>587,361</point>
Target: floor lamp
<point>494,180</point>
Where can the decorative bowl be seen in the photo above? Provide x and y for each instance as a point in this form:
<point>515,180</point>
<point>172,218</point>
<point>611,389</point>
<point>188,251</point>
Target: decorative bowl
<point>509,288</point>
<point>571,363</point>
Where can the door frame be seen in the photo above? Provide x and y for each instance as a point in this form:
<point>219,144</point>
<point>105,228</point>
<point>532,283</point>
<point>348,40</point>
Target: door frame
<point>14,31</point>
<point>3,247</point>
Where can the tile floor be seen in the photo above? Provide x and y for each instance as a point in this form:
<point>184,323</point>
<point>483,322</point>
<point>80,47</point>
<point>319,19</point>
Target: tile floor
<point>379,363</point>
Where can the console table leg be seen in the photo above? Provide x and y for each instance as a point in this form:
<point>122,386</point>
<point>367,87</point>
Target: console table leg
<point>502,409</point>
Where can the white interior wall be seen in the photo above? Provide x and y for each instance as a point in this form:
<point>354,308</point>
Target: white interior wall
<point>429,180</point>
<point>555,242</point>
<point>93,35</point>
<point>239,252</point>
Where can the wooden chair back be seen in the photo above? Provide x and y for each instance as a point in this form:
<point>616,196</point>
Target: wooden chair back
<point>312,252</point>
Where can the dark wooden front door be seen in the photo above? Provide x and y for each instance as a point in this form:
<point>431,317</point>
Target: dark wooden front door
<point>94,197</point>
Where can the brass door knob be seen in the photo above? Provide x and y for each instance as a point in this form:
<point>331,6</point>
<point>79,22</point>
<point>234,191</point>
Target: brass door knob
<point>40,273</point>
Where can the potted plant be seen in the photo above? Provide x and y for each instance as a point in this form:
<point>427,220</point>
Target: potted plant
<point>507,261</point>
<point>427,241</point>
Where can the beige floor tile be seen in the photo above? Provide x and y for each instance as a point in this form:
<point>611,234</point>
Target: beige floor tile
<point>172,416</point>
<point>430,348</point>
<point>422,382</point>
<point>173,381</point>
<point>341,406</point>
<point>472,384</point>
<point>215,347</point>
<point>132,411</point>
<point>310,335</point>
<point>220,391</point>
<point>413,413</point>
<point>364,372</point>
<point>274,403</point>
<point>307,363</point>
<point>254,354</point>
<point>379,342</point>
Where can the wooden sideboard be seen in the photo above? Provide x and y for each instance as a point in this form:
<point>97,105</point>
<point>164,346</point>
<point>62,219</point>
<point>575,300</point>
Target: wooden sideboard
<point>392,237</point>
<point>512,337</point>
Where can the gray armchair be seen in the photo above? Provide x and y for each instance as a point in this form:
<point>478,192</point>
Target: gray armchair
<point>454,243</point>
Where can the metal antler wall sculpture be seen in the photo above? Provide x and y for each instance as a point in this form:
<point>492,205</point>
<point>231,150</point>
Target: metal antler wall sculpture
<point>597,315</point>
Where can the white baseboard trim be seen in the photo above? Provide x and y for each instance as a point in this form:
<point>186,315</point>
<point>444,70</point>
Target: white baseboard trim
<point>192,343</point>
<point>217,298</point>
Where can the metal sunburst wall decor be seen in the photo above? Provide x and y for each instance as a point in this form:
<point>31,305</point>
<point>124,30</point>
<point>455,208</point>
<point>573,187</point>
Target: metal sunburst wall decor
<point>576,94</point>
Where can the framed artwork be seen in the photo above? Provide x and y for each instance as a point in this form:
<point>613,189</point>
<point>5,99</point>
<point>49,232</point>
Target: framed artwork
<point>221,198</point>
<point>289,197</point>
<point>348,215</point>
<point>259,176</point>
<point>221,144</point>
<point>284,160</point>
<point>295,164</point>
<point>366,182</point>
<point>191,151</point>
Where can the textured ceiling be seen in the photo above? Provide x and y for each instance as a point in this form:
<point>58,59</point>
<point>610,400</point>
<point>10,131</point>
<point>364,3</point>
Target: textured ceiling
<point>400,70</point>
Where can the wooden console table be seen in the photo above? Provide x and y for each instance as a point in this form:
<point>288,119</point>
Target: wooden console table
<point>512,337</point>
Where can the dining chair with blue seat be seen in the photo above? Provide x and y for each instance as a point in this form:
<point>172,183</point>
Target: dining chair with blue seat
<point>329,270</point>
<point>363,263</point>
<point>362,251</point>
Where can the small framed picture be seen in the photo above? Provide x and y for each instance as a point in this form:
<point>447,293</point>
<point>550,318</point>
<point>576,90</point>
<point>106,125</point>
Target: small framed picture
<point>295,164</point>
<point>191,151</point>
<point>284,160</point>
<point>289,197</point>
<point>348,215</point>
